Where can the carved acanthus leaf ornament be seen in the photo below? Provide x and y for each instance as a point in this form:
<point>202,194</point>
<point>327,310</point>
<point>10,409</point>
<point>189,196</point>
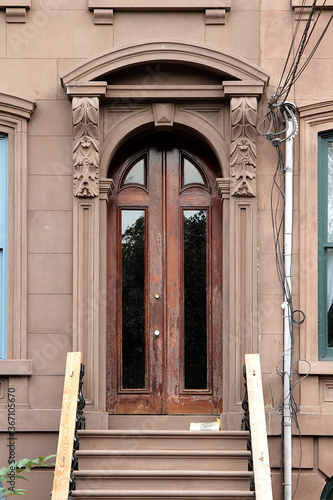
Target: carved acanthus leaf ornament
<point>85,146</point>
<point>243,151</point>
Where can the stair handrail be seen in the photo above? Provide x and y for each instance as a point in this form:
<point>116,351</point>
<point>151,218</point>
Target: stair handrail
<point>71,420</point>
<point>257,421</point>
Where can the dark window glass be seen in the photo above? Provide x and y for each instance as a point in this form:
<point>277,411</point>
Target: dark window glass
<point>133,299</point>
<point>195,284</point>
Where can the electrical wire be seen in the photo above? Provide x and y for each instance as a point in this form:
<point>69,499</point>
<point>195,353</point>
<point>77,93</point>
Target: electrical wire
<point>278,116</point>
<point>273,127</point>
<point>288,78</point>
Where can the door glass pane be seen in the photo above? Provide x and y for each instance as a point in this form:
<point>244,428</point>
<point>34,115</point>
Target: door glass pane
<point>195,300</point>
<point>133,299</point>
<point>330,194</point>
<point>136,175</point>
<point>191,173</point>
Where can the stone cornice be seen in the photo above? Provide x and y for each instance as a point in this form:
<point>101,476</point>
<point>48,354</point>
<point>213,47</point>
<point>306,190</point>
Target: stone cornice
<point>88,89</point>
<point>243,88</point>
<point>16,367</point>
<point>17,106</point>
<point>297,4</point>
<point>222,186</point>
<point>106,187</point>
<point>243,73</point>
<point>153,5</point>
<point>215,10</point>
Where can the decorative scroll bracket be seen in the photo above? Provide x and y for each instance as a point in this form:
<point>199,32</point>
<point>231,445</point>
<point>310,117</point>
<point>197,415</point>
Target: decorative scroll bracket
<point>85,146</point>
<point>243,150</point>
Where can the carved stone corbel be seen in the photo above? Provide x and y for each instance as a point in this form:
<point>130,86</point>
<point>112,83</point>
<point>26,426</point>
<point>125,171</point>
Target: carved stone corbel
<point>243,150</point>
<point>85,146</point>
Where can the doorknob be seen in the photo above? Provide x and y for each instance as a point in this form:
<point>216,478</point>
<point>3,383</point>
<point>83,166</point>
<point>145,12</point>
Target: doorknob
<point>156,333</point>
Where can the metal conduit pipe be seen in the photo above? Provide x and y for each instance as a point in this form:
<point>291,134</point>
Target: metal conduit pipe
<point>287,309</point>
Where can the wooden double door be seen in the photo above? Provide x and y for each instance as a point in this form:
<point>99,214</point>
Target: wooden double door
<point>164,280</point>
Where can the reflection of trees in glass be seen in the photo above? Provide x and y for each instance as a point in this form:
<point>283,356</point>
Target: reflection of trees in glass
<point>195,299</point>
<point>133,307</point>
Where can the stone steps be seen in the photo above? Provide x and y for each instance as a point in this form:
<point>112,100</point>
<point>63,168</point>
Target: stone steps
<point>162,464</point>
<point>163,480</point>
<point>164,495</point>
<point>163,459</point>
<point>154,440</point>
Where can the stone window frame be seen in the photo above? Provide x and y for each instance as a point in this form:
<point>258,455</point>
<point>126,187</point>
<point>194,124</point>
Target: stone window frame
<point>3,242</point>
<point>315,119</point>
<point>15,112</point>
<point>324,244</point>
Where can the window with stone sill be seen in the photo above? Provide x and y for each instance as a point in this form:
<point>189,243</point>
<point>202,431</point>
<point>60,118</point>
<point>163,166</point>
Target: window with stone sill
<point>3,243</point>
<point>325,245</point>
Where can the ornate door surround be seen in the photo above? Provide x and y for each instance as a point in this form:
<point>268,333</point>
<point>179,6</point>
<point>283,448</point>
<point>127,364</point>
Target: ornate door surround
<point>223,116</point>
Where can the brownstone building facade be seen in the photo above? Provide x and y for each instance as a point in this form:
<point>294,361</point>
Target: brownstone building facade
<point>121,114</point>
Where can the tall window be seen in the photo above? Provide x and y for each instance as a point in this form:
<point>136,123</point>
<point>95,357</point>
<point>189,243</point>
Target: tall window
<point>3,243</point>
<point>325,246</point>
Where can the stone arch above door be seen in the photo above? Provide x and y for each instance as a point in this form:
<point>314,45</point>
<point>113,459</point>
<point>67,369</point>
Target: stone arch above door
<point>233,68</point>
<point>219,107</point>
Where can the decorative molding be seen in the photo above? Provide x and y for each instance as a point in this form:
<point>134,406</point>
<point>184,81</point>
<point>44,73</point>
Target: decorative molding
<point>15,367</point>
<point>16,10</point>
<point>302,11</point>
<point>85,146</point>
<point>215,16</point>
<point>188,92</point>
<point>243,151</point>
<point>247,73</point>
<point>14,115</point>
<point>119,111</point>
<point>327,390</point>
<point>86,289</point>
<point>152,5</point>
<point>16,15</point>
<point>222,186</point>
<point>16,106</point>
<point>91,89</point>
<point>103,16</point>
<point>243,88</point>
<point>211,113</point>
<point>163,114</point>
<point>106,186</point>
<point>15,3</point>
<point>308,3</point>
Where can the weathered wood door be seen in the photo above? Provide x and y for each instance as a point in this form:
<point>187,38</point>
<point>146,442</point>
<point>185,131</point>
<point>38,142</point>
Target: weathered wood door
<point>164,281</point>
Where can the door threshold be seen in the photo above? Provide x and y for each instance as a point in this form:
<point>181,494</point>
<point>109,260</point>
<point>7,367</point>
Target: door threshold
<point>156,422</point>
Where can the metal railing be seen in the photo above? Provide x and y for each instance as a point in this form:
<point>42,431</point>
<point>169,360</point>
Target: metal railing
<point>71,420</point>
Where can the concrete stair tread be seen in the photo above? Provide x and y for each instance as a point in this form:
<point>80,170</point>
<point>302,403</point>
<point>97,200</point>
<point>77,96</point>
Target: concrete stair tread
<point>151,494</point>
<point>164,453</point>
<point>162,473</point>
<point>161,433</point>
